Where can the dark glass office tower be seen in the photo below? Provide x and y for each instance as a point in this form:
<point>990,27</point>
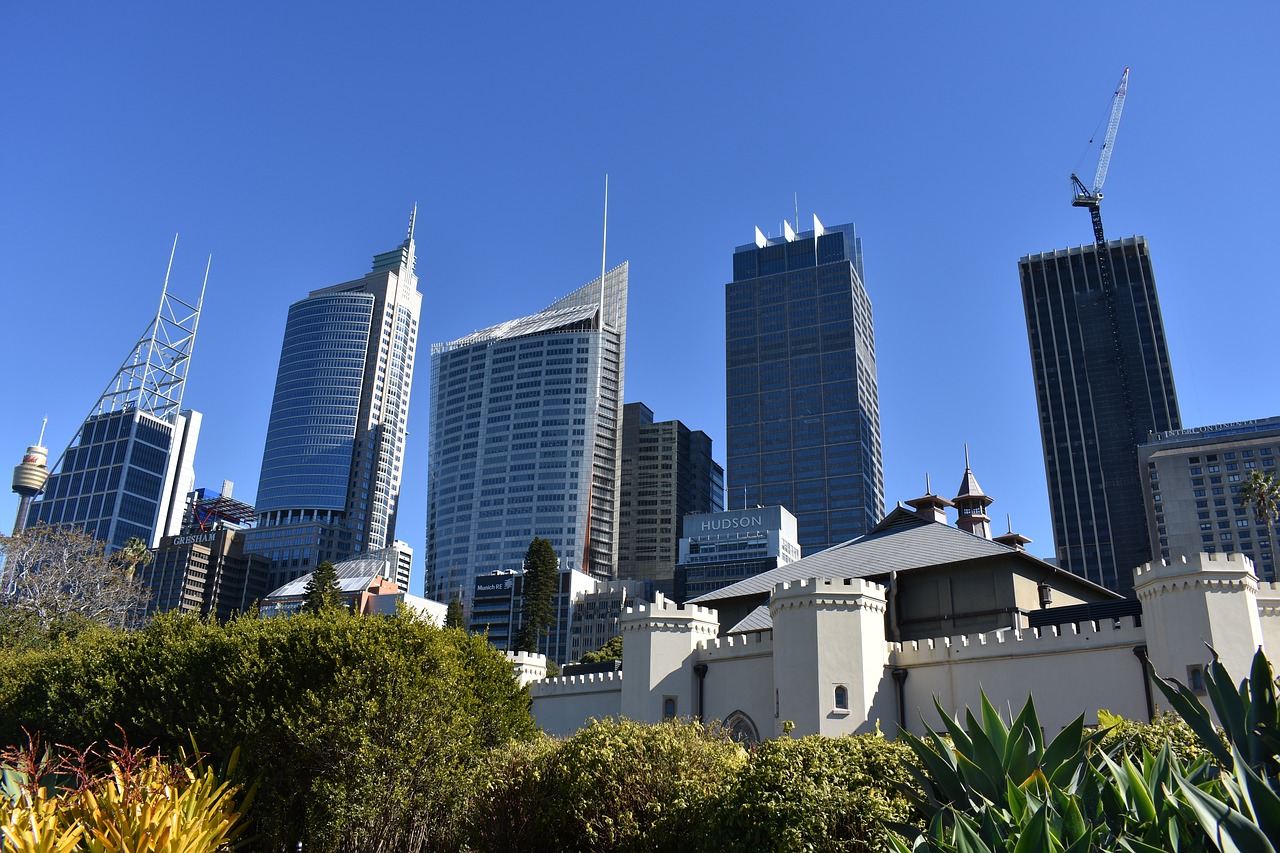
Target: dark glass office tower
<point>1103,382</point>
<point>667,473</point>
<point>803,407</point>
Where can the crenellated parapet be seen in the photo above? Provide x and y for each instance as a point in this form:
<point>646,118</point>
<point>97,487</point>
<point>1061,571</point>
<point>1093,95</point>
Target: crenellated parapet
<point>827,593</point>
<point>529,667</point>
<point>1201,572</point>
<point>665,615</point>
<point>595,682</point>
<point>1268,599</point>
<point>1008,642</point>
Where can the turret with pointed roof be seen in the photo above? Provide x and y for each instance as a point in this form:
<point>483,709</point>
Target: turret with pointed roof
<point>971,502</point>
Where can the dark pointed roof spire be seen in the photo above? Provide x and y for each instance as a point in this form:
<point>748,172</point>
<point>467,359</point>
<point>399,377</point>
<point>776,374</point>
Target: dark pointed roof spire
<point>1013,540</point>
<point>971,502</point>
<point>930,507</point>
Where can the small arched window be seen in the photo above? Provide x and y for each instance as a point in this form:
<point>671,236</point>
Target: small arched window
<point>842,698</point>
<point>742,729</point>
<point>668,707</point>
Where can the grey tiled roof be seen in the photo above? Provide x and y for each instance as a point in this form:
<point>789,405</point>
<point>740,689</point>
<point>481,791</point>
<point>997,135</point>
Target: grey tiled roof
<point>757,620</point>
<point>903,541</point>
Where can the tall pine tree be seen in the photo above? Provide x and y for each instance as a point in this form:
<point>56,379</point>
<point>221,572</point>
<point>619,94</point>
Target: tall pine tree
<point>322,591</point>
<point>541,576</point>
<point>455,616</point>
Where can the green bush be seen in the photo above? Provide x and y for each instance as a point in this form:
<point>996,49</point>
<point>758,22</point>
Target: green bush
<point>615,785</point>
<point>814,794</point>
<point>1131,737</point>
<point>363,733</point>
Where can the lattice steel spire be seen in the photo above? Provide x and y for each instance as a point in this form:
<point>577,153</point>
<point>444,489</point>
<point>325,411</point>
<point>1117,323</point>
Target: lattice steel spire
<point>154,374</point>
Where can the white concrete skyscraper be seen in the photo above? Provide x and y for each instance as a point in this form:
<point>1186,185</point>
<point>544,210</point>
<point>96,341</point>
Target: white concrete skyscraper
<point>331,467</point>
<point>526,432</point>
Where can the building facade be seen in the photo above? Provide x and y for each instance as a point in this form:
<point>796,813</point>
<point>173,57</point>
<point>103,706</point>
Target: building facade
<point>526,434</point>
<point>124,477</point>
<point>667,473</point>
<point>333,459</point>
<point>803,408</point>
<point>825,666</point>
<point>1191,479</point>
<point>204,569</point>
<point>497,610</point>
<point>1103,382</point>
<point>722,548</point>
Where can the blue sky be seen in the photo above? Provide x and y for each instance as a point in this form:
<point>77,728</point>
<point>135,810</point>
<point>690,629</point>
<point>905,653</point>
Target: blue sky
<point>290,142</point>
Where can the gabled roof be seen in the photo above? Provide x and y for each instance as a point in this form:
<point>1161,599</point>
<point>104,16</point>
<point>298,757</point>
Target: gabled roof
<point>901,542</point>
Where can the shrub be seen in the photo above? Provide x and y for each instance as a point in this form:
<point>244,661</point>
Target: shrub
<point>363,732</point>
<point>129,800</point>
<point>615,785</point>
<point>814,794</point>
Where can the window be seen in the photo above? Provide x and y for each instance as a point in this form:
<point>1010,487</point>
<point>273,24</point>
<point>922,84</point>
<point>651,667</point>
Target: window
<point>669,707</point>
<point>842,698</point>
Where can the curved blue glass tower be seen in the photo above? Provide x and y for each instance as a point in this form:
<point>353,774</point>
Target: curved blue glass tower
<point>332,463</point>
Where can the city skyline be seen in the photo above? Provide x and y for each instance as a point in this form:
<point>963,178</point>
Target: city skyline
<point>268,162</point>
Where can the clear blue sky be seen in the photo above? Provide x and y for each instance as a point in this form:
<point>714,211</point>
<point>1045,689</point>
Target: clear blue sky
<point>290,141</point>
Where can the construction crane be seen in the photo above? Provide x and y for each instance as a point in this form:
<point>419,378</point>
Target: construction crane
<point>1081,196</point>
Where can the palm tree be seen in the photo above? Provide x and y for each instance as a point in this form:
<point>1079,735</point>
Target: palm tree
<point>133,553</point>
<point>1262,492</point>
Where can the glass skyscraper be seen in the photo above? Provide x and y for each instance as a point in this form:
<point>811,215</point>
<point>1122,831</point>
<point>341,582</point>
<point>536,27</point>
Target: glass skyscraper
<point>130,465</point>
<point>526,440</point>
<point>1103,383</point>
<point>331,466</point>
<point>127,475</point>
<point>803,413</point>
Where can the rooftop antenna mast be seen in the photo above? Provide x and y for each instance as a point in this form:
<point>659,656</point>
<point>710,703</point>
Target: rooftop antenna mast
<point>604,244</point>
<point>154,374</point>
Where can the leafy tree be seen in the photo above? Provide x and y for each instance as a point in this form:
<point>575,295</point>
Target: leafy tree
<point>538,609</point>
<point>361,733</point>
<point>323,595</point>
<point>455,617</point>
<point>611,650</point>
<point>56,575</point>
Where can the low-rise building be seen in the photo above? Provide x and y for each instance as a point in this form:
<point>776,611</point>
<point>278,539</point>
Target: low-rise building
<point>722,548</point>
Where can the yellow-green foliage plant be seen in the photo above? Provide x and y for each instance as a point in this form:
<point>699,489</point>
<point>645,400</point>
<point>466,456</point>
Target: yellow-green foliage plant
<point>139,802</point>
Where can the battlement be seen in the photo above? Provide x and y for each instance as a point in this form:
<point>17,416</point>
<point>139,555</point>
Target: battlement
<point>595,682</point>
<point>737,645</point>
<point>527,658</point>
<point>1216,572</point>
<point>1009,642</point>
<point>1192,562</point>
<point>665,608</point>
<point>853,593</point>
